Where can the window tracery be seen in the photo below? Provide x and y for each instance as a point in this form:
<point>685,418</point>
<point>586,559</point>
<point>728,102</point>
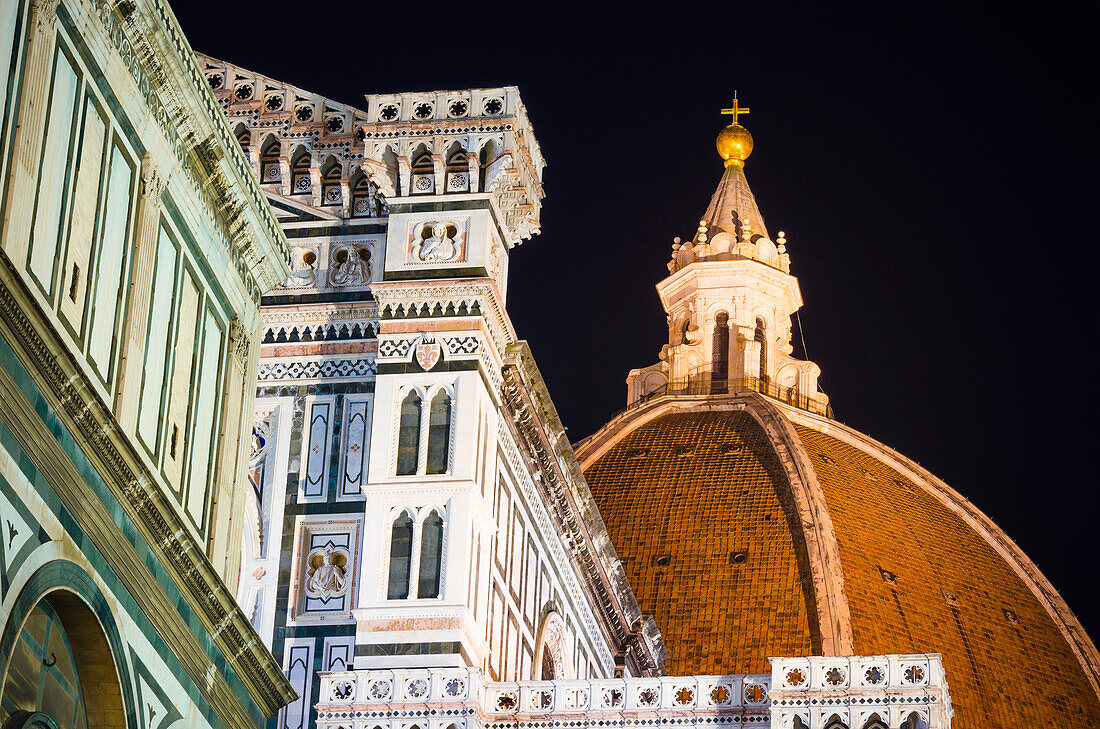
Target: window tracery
<point>424,434</point>
<point>416,553</point>
<point>458,172</point>
<point>269,161</point>
<point>299,173</point>
<point>331,193</point>
<point>400,557</point>
<point>423,174</point>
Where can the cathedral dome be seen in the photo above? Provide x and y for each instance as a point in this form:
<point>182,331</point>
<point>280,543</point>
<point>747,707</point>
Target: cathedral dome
<point>751,528</point>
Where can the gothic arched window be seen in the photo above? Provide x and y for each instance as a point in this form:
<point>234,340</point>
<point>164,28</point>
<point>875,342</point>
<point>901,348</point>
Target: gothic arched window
<point>720,352</point>
<point>487,161</point>
<point>244,138</point>
<point>331,194</point>
<point>875,722</point>
<point>458,172</point>
<point>423,175</point>
<point>360,195</point>
<point>835,723</point>
<point>431,556</point>
<point>439,433</point>
<point>401,539</point>
<point>761,336</point>
<point>269,161</point>
<point>299,174</point>
<point>408,436</point>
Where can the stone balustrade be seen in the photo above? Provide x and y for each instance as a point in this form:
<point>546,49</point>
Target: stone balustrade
<point>860,692</point>
<point>809,693</point>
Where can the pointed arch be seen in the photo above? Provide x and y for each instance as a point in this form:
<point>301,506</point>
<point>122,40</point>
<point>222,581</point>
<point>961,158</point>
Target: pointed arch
<point>914,721</point>
<point>439,433</point>
<point>458,169</point>
<point>835,722</point>
<point>300,161</point>
<point>487,156</point>
<point>761,336</point>
<point>720,352</point>
<point>400,567</point>
<point>331,174</point>
<point>874,721</point>
<point>269,160</point>
<point>423,171</point>
<point>431,556</point>
<point>244,139</point>
<point>359,185</point>
<point>408,435</point>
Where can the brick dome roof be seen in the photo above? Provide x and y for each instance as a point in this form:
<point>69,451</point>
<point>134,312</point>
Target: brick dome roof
<point>752,529</point>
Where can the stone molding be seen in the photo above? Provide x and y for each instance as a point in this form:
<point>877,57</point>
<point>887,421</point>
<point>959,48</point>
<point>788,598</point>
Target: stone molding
<point>852,688</point>
<point>420,294</point>
<point>540,435</point>
<point>152,47</point>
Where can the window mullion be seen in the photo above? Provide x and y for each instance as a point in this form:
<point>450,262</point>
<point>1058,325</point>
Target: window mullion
<point>414,559</point>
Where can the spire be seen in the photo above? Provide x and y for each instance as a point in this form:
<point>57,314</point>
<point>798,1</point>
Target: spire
<point>733,206</point>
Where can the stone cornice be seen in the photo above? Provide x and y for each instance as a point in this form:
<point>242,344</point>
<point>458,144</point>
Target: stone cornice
<point>151,45</point>
<point>539,432</point>
<point>421,293</point>
<point>737,271</point>
<point>98,434</point>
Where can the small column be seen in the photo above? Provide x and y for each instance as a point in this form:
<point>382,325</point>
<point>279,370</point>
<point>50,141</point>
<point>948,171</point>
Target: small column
<point>440,173</point>
<point>285,178</point>
<point>475,172</point>
<point>404,175</point>
<point>316,189</point>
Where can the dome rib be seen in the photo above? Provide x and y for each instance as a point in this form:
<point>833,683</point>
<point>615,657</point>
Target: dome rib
<point>919,568</point>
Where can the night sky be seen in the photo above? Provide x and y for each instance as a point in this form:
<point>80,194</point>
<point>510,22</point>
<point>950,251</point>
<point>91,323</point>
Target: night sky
<point>933,168</point>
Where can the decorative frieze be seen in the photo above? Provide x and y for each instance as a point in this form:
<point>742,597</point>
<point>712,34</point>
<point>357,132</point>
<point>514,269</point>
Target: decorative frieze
<point>808,693</point>
<point>316,369</point>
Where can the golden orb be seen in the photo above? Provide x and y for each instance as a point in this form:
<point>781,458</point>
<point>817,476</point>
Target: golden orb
<point>734,144</point>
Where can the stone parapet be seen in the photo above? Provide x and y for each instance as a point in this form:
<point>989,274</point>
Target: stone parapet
<point>852,692</point>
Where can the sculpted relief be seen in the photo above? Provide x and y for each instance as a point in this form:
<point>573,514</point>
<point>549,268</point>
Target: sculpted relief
<point>303,267</point>
<point>326,577</point>
<point>349,264</point>
<point>437,241</point>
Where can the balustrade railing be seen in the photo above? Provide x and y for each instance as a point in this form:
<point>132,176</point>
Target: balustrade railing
<point>897,691</point>
<point>705,382</point>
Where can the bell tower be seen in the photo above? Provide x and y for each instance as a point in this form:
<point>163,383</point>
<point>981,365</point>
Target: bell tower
<point>730,297</point>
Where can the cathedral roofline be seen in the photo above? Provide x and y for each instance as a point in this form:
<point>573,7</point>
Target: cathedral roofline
<point>196,130</point>
<point>572,504</point>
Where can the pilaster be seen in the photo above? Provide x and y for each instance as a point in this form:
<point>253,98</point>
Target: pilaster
<point>35,98</point>
<point>135,330</point>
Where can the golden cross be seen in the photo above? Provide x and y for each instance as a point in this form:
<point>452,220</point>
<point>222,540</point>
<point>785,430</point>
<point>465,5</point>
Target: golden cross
<point>735,110</point>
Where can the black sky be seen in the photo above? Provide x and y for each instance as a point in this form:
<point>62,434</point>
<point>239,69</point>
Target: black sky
<point>933,168</point>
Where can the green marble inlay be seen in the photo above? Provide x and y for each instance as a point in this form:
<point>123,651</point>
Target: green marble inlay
<point>19,374</point>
